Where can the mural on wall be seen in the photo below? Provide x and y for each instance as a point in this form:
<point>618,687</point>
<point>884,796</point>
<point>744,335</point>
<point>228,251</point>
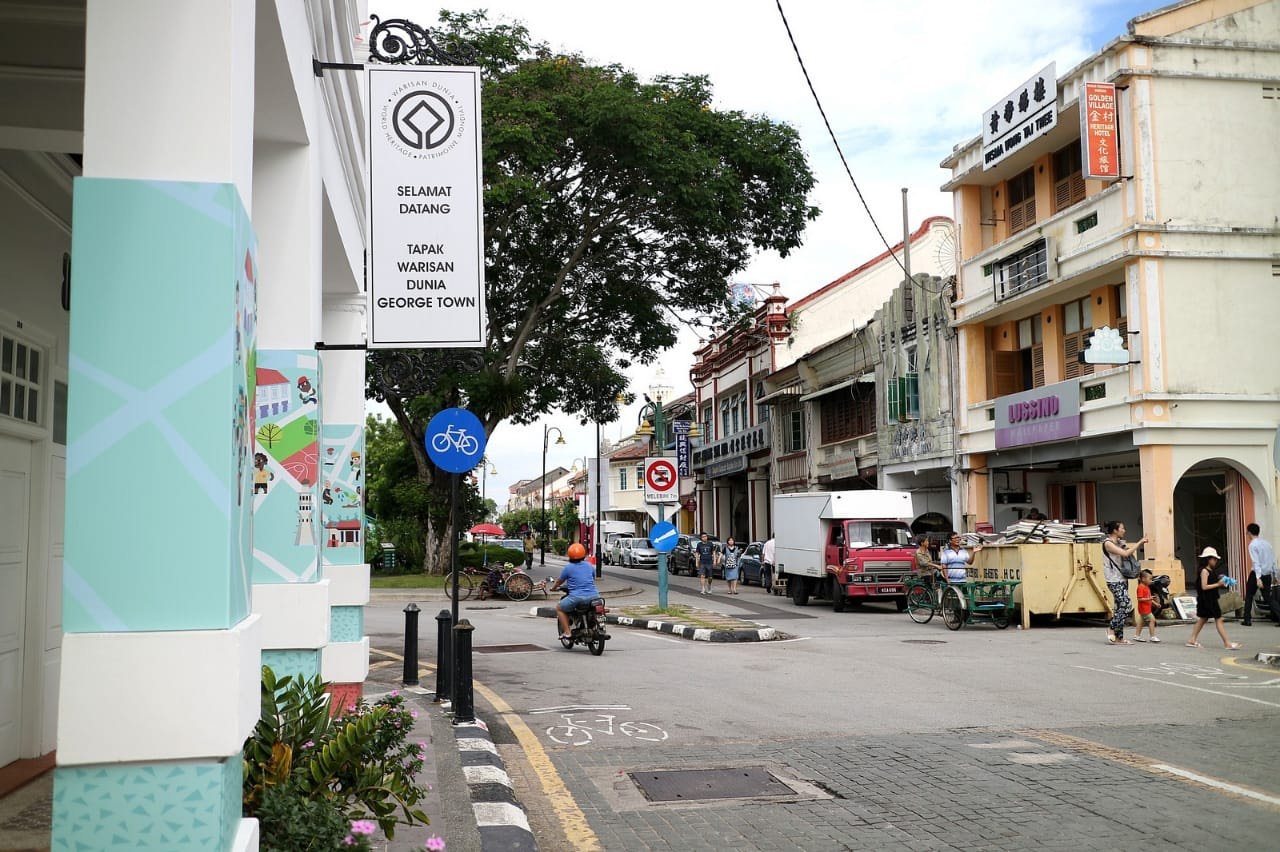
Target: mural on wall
<point>342,496</point>
<point>159,426</point>
<point>285,470</point>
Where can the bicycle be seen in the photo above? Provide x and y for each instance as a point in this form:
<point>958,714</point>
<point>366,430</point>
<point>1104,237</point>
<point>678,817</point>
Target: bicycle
<point>961,603</point>
<point>458,438</point>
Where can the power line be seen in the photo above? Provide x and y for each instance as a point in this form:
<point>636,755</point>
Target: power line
<point>840,150</point>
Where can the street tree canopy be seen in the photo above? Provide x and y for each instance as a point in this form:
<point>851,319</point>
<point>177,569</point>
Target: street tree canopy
<point>615,209</point>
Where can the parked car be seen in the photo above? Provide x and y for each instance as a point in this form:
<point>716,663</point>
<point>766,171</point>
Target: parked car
<point>683,560</point>
<point>640,553</point>
<point>613,550</point>
<point>751,568</point>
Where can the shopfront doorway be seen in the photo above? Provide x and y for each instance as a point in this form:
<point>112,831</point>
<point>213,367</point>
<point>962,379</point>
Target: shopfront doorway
<point>15,503</point>
<point>1212,503</point>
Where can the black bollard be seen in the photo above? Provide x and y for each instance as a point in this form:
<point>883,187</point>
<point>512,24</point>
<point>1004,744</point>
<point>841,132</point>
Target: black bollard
<point>464,709</point>
<point>444,654</point>
<point>411,645</point>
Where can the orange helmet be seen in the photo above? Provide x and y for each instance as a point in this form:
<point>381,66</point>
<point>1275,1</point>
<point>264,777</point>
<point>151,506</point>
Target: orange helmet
<point>577,552</point>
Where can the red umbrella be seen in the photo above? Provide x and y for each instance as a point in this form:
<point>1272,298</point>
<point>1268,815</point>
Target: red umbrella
<point>487,529</point>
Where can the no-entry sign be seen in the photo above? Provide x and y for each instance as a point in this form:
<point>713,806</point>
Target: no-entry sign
<point>661,484</point>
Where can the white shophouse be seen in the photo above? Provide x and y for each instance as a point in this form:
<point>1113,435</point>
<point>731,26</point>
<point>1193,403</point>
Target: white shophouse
<point>181,204</point>
<point>1177,252</point>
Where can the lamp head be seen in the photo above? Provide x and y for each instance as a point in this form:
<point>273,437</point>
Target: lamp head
<point>560,439</point>
<point>645,428</point>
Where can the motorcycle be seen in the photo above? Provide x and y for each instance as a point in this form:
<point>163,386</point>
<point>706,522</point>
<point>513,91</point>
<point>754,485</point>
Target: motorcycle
<point>586,625</point>
<point>1160,596</point>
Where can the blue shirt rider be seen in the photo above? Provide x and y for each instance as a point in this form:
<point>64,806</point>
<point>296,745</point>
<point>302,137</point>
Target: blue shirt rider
<point>579,578</point>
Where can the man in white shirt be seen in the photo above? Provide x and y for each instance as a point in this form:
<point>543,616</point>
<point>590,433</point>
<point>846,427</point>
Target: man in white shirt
<point>1262,558</point>
<point>766,563</point>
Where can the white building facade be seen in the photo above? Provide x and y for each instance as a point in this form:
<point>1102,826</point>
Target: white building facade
<point>1177,254</point>
<point>177,221</point>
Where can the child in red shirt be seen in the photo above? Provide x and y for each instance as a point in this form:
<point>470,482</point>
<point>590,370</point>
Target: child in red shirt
<point>1146,618</point>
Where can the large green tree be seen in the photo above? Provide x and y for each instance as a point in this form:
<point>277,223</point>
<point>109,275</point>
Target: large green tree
<point>615,209</point>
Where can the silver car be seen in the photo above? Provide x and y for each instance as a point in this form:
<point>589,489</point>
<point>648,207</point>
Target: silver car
<point>640,553</point>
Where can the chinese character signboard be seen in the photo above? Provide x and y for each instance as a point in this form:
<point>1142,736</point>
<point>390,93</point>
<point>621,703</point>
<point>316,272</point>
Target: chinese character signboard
<point>1098,131</point>
<point>1049,413</point>
<point>425,221</point>
<point>1028,112</point>
<point>683,452</point>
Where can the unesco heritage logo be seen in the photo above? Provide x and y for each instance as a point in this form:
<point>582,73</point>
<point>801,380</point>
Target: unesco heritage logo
<point>423,121</point>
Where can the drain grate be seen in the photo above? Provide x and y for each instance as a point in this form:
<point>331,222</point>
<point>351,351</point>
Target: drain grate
<point>687,785</point>
<point>506,649</point>
<point>924,641</point>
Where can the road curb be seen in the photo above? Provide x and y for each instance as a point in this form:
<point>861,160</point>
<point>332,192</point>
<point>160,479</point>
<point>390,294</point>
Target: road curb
<point>500,818</point>
<point>763,633</point>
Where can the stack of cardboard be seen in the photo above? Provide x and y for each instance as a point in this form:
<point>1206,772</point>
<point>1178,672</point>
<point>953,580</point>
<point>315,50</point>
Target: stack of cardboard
<point>1040,532</point>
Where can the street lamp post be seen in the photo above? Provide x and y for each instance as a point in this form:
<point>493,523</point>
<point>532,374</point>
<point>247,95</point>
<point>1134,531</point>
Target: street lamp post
<point>487,469</point>
<point>546,437</point>
<point>653,408</point>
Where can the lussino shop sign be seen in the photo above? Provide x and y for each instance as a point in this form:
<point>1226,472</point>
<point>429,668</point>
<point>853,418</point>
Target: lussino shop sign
<point>1050,413</point>
<point>426,225</point>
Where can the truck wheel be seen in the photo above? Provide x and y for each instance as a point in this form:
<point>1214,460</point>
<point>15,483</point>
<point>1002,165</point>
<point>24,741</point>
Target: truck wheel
<point>799,591</point>
<point>902,604</point>
<point>837,602</point>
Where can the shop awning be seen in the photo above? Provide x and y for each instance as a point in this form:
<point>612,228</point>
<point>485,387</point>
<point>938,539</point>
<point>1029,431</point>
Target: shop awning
<point>865,377</point>
<point>781,395</point>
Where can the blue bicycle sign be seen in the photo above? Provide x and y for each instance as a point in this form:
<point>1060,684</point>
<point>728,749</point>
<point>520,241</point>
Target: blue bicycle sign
<point>455,440</point>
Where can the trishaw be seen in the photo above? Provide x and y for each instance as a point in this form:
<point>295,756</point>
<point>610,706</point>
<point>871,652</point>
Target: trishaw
<point>960,603</point>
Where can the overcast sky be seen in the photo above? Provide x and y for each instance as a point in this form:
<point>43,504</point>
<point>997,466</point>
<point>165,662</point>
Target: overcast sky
<point>901,82</point>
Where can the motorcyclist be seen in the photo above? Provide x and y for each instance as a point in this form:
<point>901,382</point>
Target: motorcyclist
<point>580,579</point>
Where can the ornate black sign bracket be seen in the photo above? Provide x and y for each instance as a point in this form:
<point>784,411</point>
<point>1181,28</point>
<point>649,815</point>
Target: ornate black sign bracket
<point>398,41</point>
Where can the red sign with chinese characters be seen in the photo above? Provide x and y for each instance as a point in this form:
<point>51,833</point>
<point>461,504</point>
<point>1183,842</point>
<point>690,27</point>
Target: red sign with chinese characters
<point>1098,131</point>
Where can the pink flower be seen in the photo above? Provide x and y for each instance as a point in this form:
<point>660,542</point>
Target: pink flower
<point>435,844</point>
<point>395,693</point>
<point>348,841</point>
<point>413,713</point>
<point>363,826</point>
<point>422,745</point>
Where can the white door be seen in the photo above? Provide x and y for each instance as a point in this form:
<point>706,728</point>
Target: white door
<point>15,494</point>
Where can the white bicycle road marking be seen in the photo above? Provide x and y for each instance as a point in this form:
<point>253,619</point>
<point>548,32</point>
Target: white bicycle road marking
<point>1180,685</point>
<point>580,725</point>
<point>573,708</point>
<point>1193,670</point>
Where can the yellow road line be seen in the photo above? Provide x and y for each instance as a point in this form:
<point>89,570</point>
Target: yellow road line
<point>572,820</point>
<point>1147,764</point>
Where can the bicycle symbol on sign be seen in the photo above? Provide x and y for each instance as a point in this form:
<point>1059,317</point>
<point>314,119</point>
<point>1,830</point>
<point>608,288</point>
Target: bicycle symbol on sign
<point>579,730</point>
<point>457,438</point>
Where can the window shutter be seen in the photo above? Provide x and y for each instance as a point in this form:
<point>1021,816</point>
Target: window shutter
<point>1072,346</point>
<point>1037,365</point>
<point>1006,373</point>
<point>892,402</point>
<point>1068,191</point>
<point>911,396</point>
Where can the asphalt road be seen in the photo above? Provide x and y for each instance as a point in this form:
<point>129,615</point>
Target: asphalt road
<point>886,734</point>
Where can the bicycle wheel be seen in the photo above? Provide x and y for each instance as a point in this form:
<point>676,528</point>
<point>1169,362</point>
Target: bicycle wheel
<point>519,586</point>
<point>643,731</point>
<point>440,443</point>
<point>467,445</point>
<point>920,604</point>
<point>464,586</point>
<point>952,609</point>
<point>570,735</point>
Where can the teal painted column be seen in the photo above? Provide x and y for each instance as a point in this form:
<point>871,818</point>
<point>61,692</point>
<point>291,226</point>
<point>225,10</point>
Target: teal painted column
<point>158,520</point>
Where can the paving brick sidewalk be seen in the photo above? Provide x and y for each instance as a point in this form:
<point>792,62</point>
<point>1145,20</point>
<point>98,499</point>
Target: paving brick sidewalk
<point>970,789</point>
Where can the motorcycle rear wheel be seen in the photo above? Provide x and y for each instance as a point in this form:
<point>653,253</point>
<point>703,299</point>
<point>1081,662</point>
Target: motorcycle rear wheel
<point>567,643</point>
<point>596,645</point>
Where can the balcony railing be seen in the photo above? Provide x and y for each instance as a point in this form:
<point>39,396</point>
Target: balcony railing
<point>793,467</point>
<point>1023,271</point>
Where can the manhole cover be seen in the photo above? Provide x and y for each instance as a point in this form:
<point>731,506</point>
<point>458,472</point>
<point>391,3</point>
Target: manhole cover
<point>924,641</point>
<point>684,785</point>
<point>505,649</point>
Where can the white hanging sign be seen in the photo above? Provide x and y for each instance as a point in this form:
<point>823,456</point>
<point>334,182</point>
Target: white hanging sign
<point>425,284</point>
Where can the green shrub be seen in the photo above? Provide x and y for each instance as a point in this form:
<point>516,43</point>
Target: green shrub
<point>560,545</point>
<point>475,558</point>
<point>357,765</point>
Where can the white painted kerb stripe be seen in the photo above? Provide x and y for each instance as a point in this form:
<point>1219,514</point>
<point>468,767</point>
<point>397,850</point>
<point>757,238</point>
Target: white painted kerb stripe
<point>476,744</point>
<point>486,775</point>
<point>1216,784</point>
<point>499,813</point>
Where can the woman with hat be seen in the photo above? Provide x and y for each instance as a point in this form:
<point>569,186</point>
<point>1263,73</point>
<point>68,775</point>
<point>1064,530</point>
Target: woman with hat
<point>1209,583</point>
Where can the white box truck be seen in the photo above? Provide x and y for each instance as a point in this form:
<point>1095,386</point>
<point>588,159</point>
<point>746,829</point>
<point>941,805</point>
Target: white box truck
<point>846,546</point>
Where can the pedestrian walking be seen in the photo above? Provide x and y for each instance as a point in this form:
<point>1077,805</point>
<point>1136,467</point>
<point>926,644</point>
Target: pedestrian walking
<point>706,553</point>
<point>766,560</point>
<point>1209,584</point>
<point>1262,571</point>
<point>729,563</point>
<point>528,551</point>
<point>1146,618</point>
<point>955,559</point>
<point>1114,551</point>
